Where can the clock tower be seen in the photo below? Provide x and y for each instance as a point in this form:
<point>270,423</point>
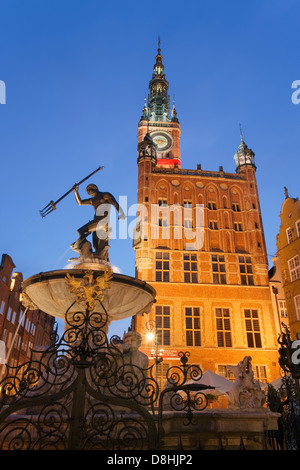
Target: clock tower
<point>199,242</point>
<point>159,121</point>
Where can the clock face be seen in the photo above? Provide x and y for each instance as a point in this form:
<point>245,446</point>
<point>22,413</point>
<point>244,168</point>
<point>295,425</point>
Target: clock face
<point>163,141</point>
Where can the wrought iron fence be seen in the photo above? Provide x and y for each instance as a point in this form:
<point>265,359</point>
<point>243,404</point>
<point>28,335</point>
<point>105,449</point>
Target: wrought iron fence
<point>86,392</point>
<point>286,400</point>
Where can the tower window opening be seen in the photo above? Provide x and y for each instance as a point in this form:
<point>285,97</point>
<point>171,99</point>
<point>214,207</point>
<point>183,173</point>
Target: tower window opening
<point>212,206</point>
<point>236,207</point>
<point>188,214</point>
<point>238,227</point>
<point>213,225</point>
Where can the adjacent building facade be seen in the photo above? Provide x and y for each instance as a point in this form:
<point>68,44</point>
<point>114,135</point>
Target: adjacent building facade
<point>20,329</point>
<point>278,296</point>
<point>288,252</point>
<point>200,243</point>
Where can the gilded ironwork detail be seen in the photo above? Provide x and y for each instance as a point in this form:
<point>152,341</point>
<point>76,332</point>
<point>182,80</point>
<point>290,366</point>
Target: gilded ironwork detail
<point>89,289</point>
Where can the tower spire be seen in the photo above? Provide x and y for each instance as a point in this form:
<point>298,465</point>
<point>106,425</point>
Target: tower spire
<point>241,133</point>
<point>159,128</point>
<point>158,106</point>
<point>158,67</point>
<point>244,156</point>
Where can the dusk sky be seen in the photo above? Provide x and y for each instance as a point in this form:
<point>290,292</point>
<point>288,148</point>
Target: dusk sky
<point>76,74</point>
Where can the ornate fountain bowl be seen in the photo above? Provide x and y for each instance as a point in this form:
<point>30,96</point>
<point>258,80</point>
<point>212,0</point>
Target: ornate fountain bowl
<point>54,292</point>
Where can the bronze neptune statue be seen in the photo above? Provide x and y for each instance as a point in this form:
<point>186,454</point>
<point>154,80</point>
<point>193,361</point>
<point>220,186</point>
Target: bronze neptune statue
<point>99,226</point>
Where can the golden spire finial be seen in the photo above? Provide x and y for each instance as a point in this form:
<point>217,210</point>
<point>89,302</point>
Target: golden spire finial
<point>241,133</point>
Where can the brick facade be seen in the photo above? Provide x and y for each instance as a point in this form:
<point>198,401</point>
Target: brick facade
<point>288,252</point>
<point>20,329</point>
<point>213,298</point>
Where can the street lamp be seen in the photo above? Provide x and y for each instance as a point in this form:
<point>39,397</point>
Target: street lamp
<point>151,336</point>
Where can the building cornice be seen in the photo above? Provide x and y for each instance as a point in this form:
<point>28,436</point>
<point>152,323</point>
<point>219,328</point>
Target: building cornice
<point>197,173</point>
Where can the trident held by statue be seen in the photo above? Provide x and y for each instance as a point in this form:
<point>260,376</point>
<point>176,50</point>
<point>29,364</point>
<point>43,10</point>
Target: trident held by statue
<point>52,205</point>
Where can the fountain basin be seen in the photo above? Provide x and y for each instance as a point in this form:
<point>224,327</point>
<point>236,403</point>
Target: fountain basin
<point>49,292</point>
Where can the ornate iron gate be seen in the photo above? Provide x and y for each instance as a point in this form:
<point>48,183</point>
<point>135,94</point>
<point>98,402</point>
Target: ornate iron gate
<point>84,392</point>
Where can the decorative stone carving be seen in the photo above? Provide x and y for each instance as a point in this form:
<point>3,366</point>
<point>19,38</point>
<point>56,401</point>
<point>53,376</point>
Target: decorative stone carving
<point>246,393</point>
<point>132,340</point>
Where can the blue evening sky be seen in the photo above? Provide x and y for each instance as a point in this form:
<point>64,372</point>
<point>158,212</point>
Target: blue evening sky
<point>76,75</point>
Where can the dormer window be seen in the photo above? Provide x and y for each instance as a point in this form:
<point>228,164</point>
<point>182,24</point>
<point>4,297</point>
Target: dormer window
<point>298,227</point>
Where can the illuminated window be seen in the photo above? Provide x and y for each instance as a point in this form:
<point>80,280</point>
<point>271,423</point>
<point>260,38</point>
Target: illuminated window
<point>294,267</point>
<point>162,267</point>
<point>162,369</point>
<point>188,214</point>
<point>163,218</point>
<point>282,308</point>
<point>192,324</point>
<point>260,373</point>
<point>8,315</point>
<point>289,235</point>
<point>218,267</point>
<point>190,268</point>
<point>2,307</point>
<point>246,270</point>
<point>252,328</point>
<point>162,322</point>
<point>298,227</point>
<point>223,327</point>
<point>224,371</point>
<point>297,305</point>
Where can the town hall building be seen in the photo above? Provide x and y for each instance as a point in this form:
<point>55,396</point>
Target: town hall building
<point>200,243</point>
